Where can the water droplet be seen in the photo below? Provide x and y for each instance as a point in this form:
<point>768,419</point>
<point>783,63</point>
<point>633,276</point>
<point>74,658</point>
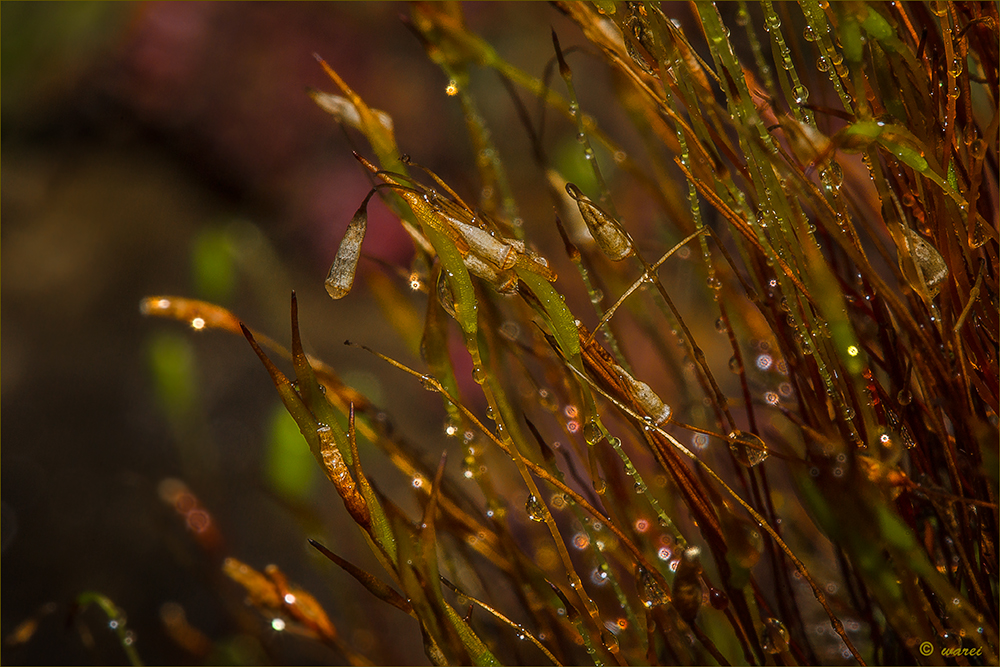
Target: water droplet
<point>810,35</point>
<point>718,599</point>
<point>801,94</point>
<point>774,636</point>
<point>904,397</point>
<point>534,509</point>
<point>977,149</point>
<point>734,365</point>
<point>479,374</point>
<point>650,592</point>
<point>427,381</point>
<point>720,325</point>
<point>748,449</point>
<point>591,433</point>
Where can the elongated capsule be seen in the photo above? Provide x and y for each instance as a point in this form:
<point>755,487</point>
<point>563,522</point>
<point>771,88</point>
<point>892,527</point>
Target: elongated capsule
<point>486,246</point>
<point>341,277</point>
<point>647,399</point>
<point>505,282</point>
<point>809,145</point>
<point>928,260</point>
<point>344,110</point>
<point>607,232</point>
<point>687,586</point>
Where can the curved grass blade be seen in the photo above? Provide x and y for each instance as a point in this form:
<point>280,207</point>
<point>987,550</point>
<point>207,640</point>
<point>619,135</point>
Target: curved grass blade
<point>375,586</point>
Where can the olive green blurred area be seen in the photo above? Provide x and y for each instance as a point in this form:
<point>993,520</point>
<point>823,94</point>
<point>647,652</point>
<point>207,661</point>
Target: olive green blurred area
<point>170,148</point>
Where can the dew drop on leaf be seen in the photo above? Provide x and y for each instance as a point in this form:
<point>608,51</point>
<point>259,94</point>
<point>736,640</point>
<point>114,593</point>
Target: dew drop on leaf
<point>534,509</point>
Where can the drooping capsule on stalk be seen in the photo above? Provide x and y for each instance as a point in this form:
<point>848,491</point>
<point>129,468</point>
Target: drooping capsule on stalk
<point>644,396</point>
<point>346,112</point>
<point>931,266</point>
<point>505,282</point>
<point>341,277</point>
<point>607,232</point>
<point>687,585</point>
<point>486,246</point>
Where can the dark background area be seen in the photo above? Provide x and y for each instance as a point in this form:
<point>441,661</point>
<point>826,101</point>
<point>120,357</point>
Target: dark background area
<point>134,137</point>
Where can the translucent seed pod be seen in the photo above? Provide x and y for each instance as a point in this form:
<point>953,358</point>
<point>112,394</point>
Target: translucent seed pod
<point>341,277</point>
<point>928,260</point>
<point>486,246</point>
<point>647,399</point>
<point>607,232</point>
<point>504,281</point>
<point>687,586</point>
<point>809,145</point>
<point>345,112</point>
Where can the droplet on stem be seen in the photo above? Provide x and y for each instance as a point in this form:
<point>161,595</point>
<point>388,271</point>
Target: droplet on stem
<point>747,448</point>
<point>534,509</point>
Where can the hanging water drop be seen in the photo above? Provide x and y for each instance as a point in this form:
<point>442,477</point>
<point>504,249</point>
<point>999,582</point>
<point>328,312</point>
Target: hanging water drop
<point>774,636</point>
<point>718,599</point>
<point>534,509</point>
<point>650,592</point>
<point>747,448</point>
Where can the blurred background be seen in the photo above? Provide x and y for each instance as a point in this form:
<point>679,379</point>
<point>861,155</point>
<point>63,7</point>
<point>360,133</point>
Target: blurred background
<point>171,148</point>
